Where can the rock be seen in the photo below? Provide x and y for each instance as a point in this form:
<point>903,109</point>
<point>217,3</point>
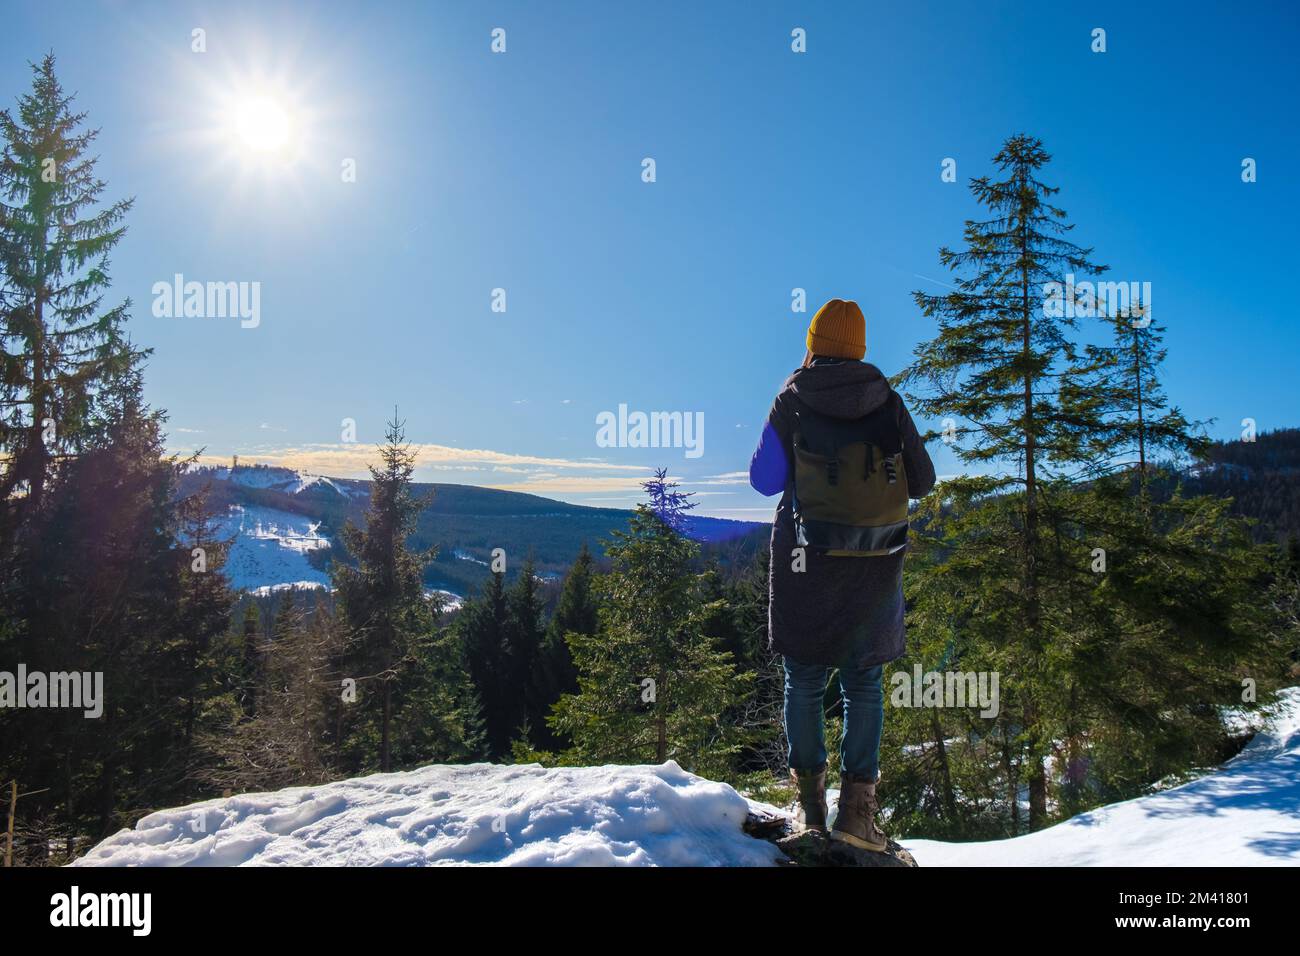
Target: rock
<point>811,848</point>
<point>766,825</point>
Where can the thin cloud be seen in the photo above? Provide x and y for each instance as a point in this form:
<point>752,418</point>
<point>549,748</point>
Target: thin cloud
<point>351,460</point>
<point>728,478</point>
<point>576,484</point>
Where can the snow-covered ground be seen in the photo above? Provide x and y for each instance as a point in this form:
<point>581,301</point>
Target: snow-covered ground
<point>451,601</point>
<point>288,480</point>
<point>266,590</point>
<point>271,545</point>
<point>1245,813</point>
<point>478,813</point>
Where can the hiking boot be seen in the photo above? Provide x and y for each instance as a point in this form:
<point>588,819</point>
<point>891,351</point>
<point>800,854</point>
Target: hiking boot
<point>855,823</point>
<point>811,814</point>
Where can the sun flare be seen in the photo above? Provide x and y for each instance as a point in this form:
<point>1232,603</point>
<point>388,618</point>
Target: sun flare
<point>262,123</point>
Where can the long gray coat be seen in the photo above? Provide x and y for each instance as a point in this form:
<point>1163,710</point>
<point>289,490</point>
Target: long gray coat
<point>839,609</point>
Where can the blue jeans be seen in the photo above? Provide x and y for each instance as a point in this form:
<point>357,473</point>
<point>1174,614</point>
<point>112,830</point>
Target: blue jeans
<point>864,715</point>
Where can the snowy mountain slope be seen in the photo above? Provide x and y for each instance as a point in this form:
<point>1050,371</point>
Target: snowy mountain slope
<point>465,523</point>
<point>286,480</point>
<point>474,814</point>
<point>1245,814</point>
<point>270,548</point>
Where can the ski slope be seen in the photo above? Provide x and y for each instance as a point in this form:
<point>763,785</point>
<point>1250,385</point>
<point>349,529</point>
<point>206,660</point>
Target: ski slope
<point>1245,813</point>
<point>271,545</point>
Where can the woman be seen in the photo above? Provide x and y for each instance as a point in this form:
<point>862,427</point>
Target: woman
<point>843,452</point>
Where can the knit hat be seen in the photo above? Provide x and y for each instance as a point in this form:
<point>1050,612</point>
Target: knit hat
<point>838,330</point>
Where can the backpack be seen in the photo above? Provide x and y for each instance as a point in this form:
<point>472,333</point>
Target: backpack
<point>850,485</point>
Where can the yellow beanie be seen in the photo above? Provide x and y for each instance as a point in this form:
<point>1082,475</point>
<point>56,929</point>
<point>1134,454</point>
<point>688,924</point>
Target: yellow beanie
<point>838,330</point>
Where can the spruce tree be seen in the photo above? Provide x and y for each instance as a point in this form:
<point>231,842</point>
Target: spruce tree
<point>106,593</point>
<point>59,345</point>
<point>554,673</point>
<point>652,684</point>
<point>1120,633</point>
<point>93,562</point>
<point>286,742</point>
<point>994,368</point>
<point>1123,416</point>
<point>576,609</point>
<point>527,630</point>
<point>383,596</point>
<point>526,613</point>
<point>203,613</point>
<point>485,629</point>
<point>251,657</point>
<point>441,716</point>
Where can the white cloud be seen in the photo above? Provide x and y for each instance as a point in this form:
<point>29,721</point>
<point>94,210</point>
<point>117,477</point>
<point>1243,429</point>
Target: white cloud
<point>353,457</point>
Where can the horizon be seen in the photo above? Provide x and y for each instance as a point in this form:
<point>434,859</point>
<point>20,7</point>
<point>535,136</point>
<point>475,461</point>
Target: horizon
<point>522,171</point>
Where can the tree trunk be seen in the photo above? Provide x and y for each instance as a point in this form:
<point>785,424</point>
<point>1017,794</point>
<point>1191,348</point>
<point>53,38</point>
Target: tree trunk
<point>1141,425</point>
<point>949,802</point>
<point>661,721</point>
<point>36,452</point>
<point>384,763</point>
<point>1037,778</point>
<point>1013,790</point>
<point>1037,772</point>
<point>9,831</point>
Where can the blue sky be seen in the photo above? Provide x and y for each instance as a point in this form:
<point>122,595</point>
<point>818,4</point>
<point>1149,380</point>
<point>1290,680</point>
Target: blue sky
<point>775,170</point>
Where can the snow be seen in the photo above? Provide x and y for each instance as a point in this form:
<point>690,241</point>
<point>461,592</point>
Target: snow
<point>1247,813</point>
<point>451,601</point>
<point>266,590</point>
<point>446,815</point>
<point>287,480</point>
<point>257,476</point>
<point>304,481</point>
<point>271,545</point>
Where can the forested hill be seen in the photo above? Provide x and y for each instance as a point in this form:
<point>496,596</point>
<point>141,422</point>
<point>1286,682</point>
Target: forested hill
<point>285,526</point>
<point>286,523</point>
<point>1261,476</point>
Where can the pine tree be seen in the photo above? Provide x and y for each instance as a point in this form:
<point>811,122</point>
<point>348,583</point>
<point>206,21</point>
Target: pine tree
<point>251,655</point>
<point>485,629</point>
<point>554,673</point>
<point>995,367</point>
<point>746,636</point>
<point>383,596</point>
<point>288,618</point>
<point>576,609</point>
<point>652,684</point>
<point>526,613</point>
<point>285,743</point>
<point>667,503</point>
<point>440,714</point>
<point>202,615</point>
<point>106,593</point>
<point>94,571</point>
<point>1168,627</point>
<point>58,347</point>
<point>527,631</point>
<point>1121,633</point>
<point>1116,393</point>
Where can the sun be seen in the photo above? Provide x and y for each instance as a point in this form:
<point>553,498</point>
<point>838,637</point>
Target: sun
<point>262,123</point>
